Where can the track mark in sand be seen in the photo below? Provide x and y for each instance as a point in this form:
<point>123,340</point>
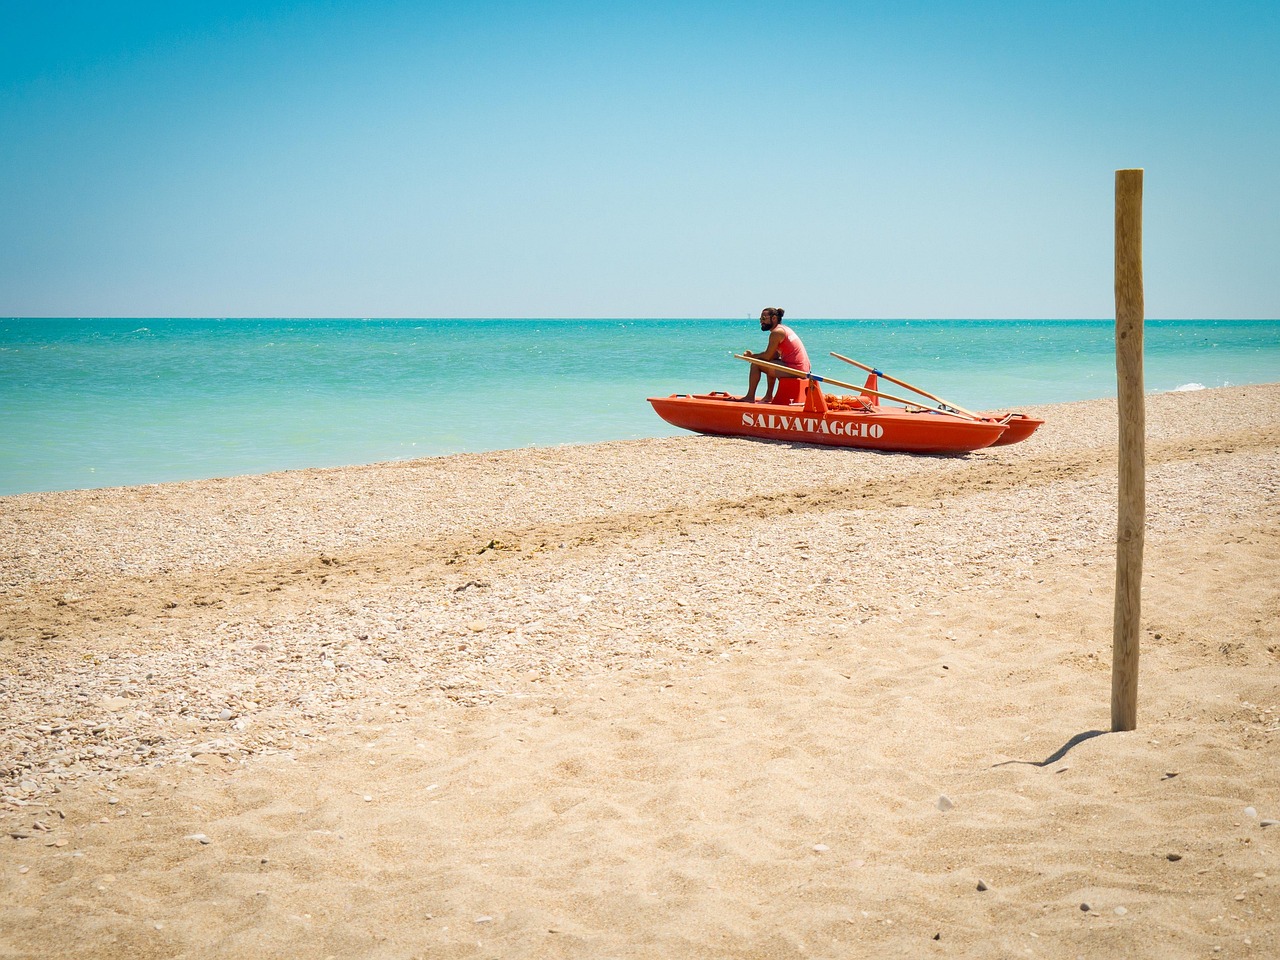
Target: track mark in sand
<point>50,615</point>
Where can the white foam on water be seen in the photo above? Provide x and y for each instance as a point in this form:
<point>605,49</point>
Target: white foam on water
<point>1189,386</point>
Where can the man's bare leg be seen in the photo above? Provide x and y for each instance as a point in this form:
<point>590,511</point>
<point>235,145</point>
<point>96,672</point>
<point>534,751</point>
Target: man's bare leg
<point>769,387</point>
<point>753,384</point>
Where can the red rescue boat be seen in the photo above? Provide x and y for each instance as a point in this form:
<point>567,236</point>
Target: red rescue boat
<point>801,412</point>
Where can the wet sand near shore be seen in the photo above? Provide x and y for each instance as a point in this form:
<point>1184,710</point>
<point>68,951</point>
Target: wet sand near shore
<point>696,697</point>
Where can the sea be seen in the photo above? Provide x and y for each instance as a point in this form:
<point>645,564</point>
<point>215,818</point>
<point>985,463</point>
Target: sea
<point>87,403</point>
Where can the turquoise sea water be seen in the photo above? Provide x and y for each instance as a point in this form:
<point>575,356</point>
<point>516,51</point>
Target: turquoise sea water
<point>93,403</point>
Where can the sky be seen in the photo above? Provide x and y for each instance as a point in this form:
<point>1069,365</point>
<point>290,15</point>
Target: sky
<point>634,159</point>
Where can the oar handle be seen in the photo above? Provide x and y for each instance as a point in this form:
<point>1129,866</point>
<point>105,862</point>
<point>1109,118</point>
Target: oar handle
<point>837,383</point>
<point>914,389</point>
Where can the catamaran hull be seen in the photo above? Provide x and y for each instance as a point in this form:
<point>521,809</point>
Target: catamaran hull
<point>879,429</point>
<point>1017,427</point>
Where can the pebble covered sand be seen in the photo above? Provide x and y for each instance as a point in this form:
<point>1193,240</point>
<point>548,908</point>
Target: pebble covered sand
<point>681,697</point>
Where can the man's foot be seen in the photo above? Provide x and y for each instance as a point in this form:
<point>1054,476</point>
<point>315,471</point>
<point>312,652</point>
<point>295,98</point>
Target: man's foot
<point>744,399</point>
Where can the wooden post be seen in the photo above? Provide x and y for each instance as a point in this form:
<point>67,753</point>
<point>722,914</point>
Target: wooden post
<point>1131,521</point>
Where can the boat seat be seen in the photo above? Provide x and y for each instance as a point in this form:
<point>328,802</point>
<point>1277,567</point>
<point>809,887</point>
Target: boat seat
<point>788,390</point>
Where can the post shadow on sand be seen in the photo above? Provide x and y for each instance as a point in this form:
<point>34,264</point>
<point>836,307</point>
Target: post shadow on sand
<point>1058,754</point>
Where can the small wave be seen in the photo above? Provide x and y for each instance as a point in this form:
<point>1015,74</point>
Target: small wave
<point>1189,386</point>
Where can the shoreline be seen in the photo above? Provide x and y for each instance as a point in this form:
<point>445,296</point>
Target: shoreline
<point>702,658</point>
<point>360,396</point>
<point>1031,410</point>
<point>180,501</point>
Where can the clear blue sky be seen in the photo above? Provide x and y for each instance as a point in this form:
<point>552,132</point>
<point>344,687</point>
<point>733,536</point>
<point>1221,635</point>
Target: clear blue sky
<point>634,159</point>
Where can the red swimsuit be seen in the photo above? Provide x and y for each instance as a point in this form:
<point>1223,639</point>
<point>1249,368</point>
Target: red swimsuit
<point>791,351</point>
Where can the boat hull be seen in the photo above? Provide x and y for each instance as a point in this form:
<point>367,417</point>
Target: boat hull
<point>1018,426</point>
<point>881,428</point>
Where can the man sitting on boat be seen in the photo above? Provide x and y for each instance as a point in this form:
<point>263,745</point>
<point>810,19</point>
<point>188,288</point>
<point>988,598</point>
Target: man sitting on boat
<point>784,348</point>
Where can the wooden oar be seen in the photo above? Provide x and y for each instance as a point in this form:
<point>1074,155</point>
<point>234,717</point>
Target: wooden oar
<point>903,383</point>
<point>836,383</point>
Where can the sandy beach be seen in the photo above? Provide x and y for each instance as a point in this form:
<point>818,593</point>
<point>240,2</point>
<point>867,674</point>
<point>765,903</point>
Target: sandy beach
<point>687,697</point>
